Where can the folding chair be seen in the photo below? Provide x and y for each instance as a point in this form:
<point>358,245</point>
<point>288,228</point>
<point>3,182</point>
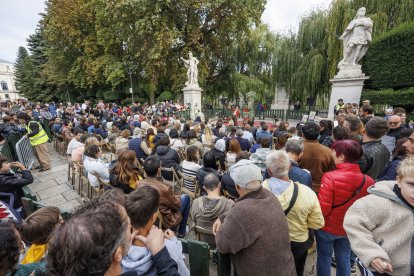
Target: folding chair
<point>193,194</point>
<point>175,178</point>
<point>100,189</point>
<point>71,171</point>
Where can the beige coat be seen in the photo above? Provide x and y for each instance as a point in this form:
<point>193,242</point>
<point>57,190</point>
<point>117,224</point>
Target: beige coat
<point>381,226</point>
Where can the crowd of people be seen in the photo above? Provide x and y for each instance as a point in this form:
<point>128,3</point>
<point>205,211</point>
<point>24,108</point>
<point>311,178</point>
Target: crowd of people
<point>264,194</point>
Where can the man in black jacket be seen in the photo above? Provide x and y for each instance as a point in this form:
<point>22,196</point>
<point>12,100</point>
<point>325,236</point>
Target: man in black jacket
<point>11,182</point>
<point>376,155</point>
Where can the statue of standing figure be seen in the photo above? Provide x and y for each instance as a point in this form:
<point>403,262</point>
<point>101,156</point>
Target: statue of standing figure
<point>355,39</point>
<point>192,70</point>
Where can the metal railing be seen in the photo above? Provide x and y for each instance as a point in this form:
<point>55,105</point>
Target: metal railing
<point>25,152</point>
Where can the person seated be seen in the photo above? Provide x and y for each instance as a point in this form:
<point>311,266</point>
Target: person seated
<point>121,142</point>
<point>208,138</point>
<point>91,247</point>
<point>11,249</point>
<point>142,208</point>
<point>125,173</point>
<point>219,150</point>
<point>139,145</point>
<point>227,183</point>
<point>255,146</point>
<point>234,150</point>
<point>372,222</point>
<point>98,130</point>
<point>91,125</point>
<point>244,143</point>
<point>294,149</point>
<point>57,126</point>
<point>190,167</point>
<point>85,141</point>
<point>66,130</point>
<point>160,134</point>
<point>150,137</point>
<point>300,204</point>
<point>209,166</point>
<point>264,134</point>
<point>95,166</point>
<point>192,141</point>
<point>169,157</point>
<point>11,182</point>
<point>259,157</point>
<point>8,128</point>
<point>206,209</point>
<point>36,230</point>
<point>175,142</point>
<point>75,142</point>
<point>174,210</point>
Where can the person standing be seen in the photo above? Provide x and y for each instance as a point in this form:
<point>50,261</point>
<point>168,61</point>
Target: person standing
<point>255,231</point>
<point>316,158</point>
<point>236,114</point>
<point>339,189</point>
<point>300,204</point>
<point>38,139</point>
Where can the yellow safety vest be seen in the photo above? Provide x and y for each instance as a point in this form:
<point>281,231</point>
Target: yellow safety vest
<point>39,138</point>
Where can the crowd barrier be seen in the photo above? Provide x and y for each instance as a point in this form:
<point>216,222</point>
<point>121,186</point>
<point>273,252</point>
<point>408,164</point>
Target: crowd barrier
<point>25,152</point>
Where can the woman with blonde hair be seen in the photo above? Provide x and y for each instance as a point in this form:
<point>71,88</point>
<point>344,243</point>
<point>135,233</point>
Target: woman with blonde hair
<point>121,142</point>
<point>125,173</point>
<point>208,138</point>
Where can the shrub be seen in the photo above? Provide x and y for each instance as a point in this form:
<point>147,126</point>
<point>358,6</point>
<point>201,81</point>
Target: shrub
<point>390,59</point>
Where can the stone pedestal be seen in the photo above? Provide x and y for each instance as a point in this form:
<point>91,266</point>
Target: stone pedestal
<point>192,96</point>
<point>281,99</point>
<point>348,89</point>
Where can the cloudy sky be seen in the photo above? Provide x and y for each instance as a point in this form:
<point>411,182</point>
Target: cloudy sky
<point>20,17</point>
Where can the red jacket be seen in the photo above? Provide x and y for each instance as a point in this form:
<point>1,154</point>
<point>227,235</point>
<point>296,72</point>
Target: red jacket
<point>337,187</point>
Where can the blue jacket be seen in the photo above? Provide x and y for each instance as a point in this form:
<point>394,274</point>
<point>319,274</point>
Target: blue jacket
<point>101,132</point>
<point>263,135</point>
<point>255,147</point>
<point>390,171</point>
<point>91,129</point>
<point>135,145</point>
<point>52,109</point>
<point>297,174</point>
<point>244,143</point>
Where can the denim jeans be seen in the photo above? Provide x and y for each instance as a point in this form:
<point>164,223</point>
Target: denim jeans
<point>326,244</point>
<point>185,211</point>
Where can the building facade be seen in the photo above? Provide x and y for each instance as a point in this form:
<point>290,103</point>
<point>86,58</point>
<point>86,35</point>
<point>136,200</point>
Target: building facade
<point>8,89</point>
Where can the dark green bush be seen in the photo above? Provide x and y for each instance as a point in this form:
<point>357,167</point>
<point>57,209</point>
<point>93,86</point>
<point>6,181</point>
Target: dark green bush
<point>390,59</point>
<point>404,97</point>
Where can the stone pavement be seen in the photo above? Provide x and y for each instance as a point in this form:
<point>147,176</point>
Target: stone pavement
<point>52,187</point>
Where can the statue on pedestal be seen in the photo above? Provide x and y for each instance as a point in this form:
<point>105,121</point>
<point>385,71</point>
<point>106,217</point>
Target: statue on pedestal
<point>355,39</point>
<point>192,70</point>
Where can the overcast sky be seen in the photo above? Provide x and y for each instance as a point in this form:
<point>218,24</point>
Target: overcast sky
<point>20,17</point>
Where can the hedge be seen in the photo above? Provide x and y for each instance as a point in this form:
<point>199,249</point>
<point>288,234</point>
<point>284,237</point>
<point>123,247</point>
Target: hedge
<point>389,61</point>
<point>404,97</point>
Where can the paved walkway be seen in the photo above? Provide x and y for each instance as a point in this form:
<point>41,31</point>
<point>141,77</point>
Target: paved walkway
<point>52,187</point>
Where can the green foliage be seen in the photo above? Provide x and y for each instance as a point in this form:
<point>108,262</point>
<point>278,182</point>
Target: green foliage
<point>165,96</point>
<point>402,97</point>
<point>390,59</point>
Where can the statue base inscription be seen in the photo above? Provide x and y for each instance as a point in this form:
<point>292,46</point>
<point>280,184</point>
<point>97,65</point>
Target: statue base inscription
<point>192,97</point>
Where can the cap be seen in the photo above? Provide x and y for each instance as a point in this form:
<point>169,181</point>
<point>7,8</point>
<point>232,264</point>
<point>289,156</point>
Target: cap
<point>244,172</point>
<point>220,145</point>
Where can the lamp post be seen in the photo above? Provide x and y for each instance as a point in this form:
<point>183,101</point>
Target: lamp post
<point>130,89</point>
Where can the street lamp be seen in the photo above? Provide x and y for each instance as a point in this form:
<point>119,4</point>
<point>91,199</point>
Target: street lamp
<point>130,89</point>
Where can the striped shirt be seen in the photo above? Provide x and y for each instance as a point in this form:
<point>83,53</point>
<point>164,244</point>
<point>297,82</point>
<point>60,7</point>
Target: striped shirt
<point>190,169</point>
